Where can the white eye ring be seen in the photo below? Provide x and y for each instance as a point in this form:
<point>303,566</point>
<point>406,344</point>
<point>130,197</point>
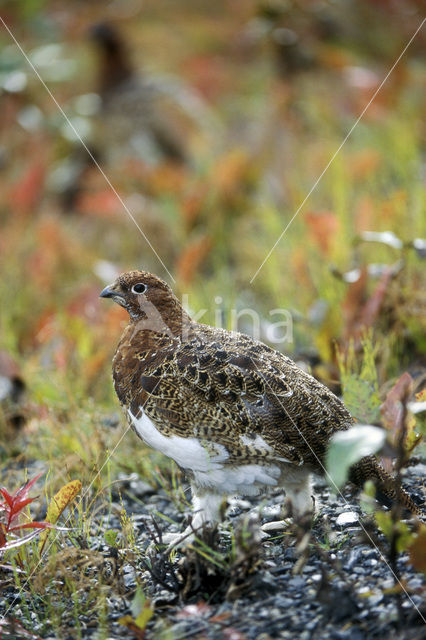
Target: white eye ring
<point>139,287</point>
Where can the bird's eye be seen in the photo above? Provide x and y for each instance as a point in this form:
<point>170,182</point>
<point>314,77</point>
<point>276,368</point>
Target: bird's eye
<point>140,287</point>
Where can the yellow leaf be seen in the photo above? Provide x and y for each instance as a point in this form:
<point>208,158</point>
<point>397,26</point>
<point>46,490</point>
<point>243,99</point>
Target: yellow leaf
<point>144,617</point>
<point>421,396</point>
<point>137,625</point>
<point>59,502</point>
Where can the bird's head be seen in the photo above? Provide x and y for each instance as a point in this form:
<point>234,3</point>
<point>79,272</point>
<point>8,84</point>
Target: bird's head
<point>106,37</point>
<point>148,300</point>
<point>115,66</point>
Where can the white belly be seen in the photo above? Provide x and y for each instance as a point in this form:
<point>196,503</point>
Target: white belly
<point>189,453</point>
<point>209,470</point>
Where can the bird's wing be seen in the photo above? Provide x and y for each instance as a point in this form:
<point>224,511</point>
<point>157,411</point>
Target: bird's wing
<point>224,387</point>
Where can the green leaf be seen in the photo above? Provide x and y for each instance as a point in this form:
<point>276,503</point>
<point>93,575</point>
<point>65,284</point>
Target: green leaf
<point>404,537</point>
<point>359,381</point>
<point>111,537</point>
<point>384,522</point>
<point>348,447</point>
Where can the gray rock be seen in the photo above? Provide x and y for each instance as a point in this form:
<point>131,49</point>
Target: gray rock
<point>271,512</point>
<point>347,518</point>
<point>272,527</point>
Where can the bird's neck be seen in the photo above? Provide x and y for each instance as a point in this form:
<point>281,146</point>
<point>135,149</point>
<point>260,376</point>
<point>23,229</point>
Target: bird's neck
<point>115,68</point>
<point>168,318</point>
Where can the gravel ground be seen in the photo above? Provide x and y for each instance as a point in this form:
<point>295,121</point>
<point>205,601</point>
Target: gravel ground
<point>332,585</point>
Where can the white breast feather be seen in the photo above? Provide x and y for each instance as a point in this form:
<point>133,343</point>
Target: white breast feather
<point>189,453</point>
<point>209,471</point>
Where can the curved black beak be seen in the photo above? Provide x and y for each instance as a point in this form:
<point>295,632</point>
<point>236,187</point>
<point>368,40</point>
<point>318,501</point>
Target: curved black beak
<point>106,293</point>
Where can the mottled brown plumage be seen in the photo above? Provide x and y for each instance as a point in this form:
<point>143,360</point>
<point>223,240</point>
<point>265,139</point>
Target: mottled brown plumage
<point>236,414</point>
<point>138,113</point>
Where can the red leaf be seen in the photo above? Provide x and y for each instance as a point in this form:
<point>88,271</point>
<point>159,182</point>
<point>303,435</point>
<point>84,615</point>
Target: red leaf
<point>391,410</point>
<point>208,74</point>
<point>6,495</point>
<point>373,305</point>
<point>23,491</point>
<point>192,257</point>
<point>361,313</point>
<point>17,501</point>
<point>103,203</point>
<point>353,302</point>
<point>26,193</point>
<point>323,228</point>
<point>16,509</point>
<point>18,505</point>
<point>14,629</point>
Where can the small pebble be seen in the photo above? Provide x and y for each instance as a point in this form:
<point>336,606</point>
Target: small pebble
<point>296,582</point>
<point>347,518</point>
<point>277,525</point>
<point>270,512</point>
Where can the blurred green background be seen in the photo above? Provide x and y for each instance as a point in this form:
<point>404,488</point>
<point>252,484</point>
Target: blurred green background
<point>258,97</point>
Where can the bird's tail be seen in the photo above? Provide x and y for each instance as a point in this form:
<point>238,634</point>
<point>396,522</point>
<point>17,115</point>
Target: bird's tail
<point>387,491</point>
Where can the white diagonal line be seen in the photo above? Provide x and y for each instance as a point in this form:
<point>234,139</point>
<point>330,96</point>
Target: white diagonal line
<point>80,139</point>
<point>54,536</point>
<point>330,479</point>
<point>314,186</point>
<point>147,240</point>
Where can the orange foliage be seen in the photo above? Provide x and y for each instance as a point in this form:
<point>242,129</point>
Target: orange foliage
<point>192,257</point>
<point>299,267</point>
<point>193,205</point>
<point>208,75</point>
<point>101,203</point>
<point>166,178</point>
<point>44,328</point>
<point>323,227</point>
<point>365,214</point>
<point>96,363</point>
<point>333,58</point>
<point>394,208</point>
<point>392,409</point>
<point>27,191</point>
<point>364,163</point>
<point>53,246</point>
<point>362,310</point>
<point>230,171</point>
<point>418,550</point>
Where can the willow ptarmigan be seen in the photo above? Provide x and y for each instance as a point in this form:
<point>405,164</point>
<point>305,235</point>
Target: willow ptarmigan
<point>235,414</point>
<point>139,114</point>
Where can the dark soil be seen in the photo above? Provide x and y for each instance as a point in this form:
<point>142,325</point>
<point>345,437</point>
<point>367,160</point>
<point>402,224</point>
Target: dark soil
<point>332,583</point>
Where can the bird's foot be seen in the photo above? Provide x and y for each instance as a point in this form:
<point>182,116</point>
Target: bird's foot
<point>196,531</point>
<point>179,540</point>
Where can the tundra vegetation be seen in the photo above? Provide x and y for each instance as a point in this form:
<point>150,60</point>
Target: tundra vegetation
<point>268,92</point>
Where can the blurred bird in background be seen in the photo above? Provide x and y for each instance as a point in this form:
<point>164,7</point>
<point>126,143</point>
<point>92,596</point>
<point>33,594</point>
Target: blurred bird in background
<point>148,119</point>
<point>136,110</point>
